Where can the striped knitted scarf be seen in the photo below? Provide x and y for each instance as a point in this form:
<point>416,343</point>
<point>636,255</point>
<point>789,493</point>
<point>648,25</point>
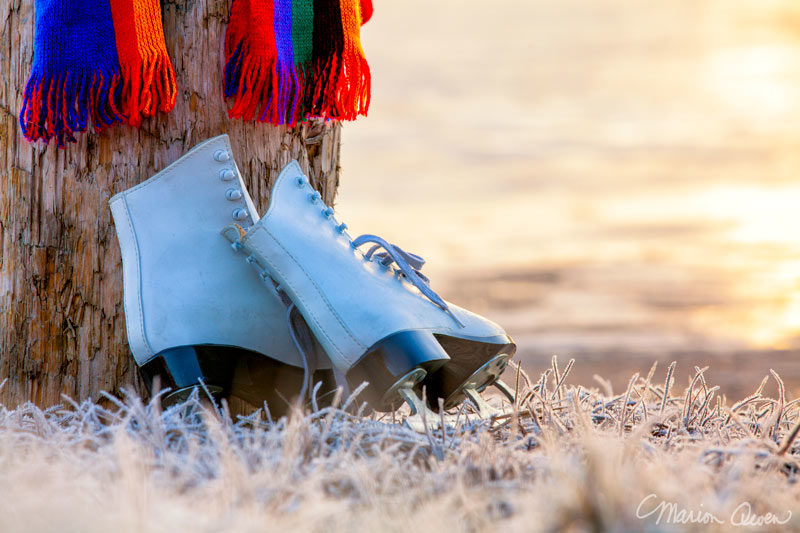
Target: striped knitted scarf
<point>101,62</point>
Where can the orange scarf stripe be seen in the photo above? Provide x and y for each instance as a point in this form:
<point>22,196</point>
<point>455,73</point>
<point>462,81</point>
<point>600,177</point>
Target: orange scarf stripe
<point>148,77</point>
<point>353,87</point>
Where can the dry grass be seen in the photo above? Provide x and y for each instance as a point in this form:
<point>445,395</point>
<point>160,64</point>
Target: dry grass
<point>566,458</point>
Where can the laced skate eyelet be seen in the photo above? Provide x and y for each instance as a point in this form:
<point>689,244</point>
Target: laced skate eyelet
<point>226,174</point>
<point>222,156</point>
<point>240,214</point>
<point>314,197</point>
<point>233,194</point>
<point>341,227</point>
<point>328,212</point>
<point>300,182</point>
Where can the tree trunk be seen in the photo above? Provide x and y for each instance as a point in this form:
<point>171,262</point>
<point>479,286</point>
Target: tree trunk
<point>62,327</point>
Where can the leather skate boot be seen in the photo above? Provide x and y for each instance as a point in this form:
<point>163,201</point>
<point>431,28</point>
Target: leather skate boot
<point>194,312</point>
<point>373,312</point>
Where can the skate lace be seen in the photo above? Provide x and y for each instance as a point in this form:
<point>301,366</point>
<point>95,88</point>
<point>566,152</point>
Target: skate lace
<point>301,345</point>
<point>408,264</point>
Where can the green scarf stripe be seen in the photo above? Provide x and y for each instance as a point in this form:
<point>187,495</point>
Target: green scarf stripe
<point>302,30</point>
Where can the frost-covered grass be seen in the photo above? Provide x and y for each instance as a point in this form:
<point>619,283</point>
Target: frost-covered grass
<point>567,457</point>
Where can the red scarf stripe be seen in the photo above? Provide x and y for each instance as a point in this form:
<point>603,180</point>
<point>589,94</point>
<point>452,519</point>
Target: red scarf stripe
<point>251,57</point>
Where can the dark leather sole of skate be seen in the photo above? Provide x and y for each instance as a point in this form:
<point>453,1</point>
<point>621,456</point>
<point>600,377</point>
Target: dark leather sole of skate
<point>475,363</point>
<point>225,371</point>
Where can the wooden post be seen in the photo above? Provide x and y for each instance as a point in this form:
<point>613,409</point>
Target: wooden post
<point>62,324</point>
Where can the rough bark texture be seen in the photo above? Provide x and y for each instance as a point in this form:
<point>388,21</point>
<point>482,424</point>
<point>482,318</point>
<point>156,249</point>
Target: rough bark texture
<point>62,328</point>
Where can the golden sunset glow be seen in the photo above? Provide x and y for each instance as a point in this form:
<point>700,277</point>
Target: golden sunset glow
<point>757,81</point>
<point>648,166</point>
<point>757,214</point>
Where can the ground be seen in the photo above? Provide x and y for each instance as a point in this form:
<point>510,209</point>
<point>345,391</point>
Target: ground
<point>566,458</point>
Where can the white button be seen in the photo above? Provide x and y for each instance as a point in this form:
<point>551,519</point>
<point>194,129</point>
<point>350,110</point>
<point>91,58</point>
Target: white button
<point>240,214</point>
<point>233,194</point>
<point>221,155</point>
<point>227,174</point>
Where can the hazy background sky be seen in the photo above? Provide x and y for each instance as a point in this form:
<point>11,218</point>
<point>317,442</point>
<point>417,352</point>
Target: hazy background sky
<point>611,180</point>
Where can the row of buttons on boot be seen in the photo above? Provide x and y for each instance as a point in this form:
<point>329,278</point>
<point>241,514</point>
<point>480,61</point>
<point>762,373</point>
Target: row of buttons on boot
<point>227,174</point>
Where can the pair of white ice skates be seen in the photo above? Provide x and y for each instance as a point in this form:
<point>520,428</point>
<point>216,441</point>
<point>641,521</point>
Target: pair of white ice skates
<point>263,309</point>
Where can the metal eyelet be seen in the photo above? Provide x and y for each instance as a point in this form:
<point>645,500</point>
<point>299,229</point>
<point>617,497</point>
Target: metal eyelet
<point>222,156</point>
<point>240,214</point>
<point>227,174</point>
<point>300,180</point>
<point>233,194</point>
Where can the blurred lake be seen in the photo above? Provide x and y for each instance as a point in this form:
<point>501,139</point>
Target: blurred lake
<point>611,180</point>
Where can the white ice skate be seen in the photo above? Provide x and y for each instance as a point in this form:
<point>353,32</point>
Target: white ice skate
<point>372,311</point>
<point>194,311</point>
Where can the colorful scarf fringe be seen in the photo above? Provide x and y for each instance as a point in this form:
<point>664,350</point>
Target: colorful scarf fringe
<point>102,62</point>
<point>98,60</point>
<point>287,60</point>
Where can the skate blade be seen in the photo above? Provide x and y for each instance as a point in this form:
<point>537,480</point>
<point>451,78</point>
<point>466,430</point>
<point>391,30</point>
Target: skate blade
<point>486,375</point>
<point>422,419</point>
<point>485,410</point>
<point>506,390</point>
<point>207,392</point>
<point>423,425</point>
